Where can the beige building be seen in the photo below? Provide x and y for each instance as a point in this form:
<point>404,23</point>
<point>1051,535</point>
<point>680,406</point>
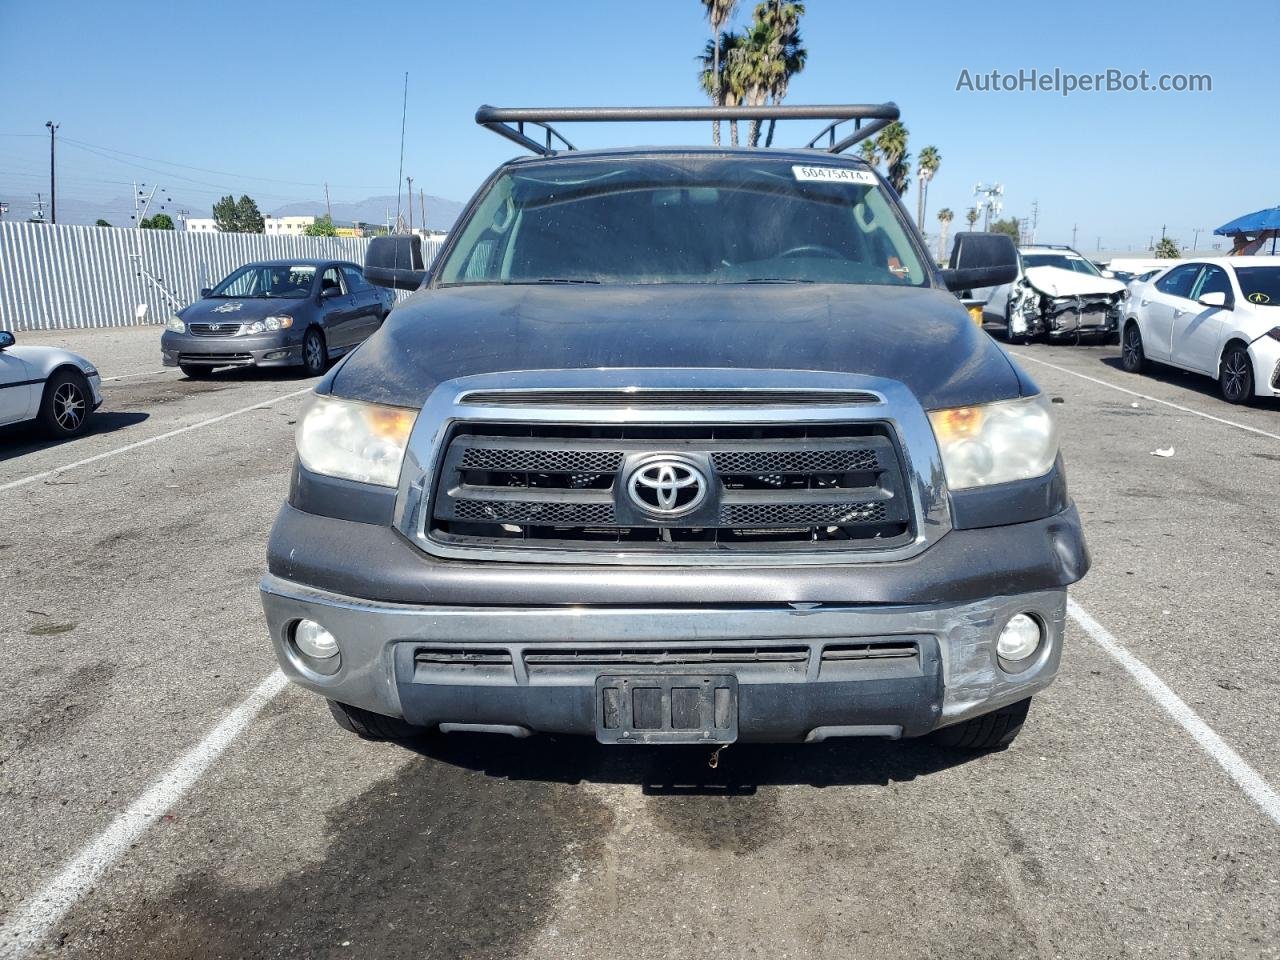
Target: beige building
<point>287,226</point>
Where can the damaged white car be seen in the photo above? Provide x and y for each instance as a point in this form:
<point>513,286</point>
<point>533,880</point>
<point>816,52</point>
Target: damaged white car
<point>1059,295</point>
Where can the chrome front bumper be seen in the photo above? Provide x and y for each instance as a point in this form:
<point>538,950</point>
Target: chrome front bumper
<point>958,675</point>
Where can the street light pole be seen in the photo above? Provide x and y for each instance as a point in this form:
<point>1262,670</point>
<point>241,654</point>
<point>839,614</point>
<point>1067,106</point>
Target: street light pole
<point>53,189</point>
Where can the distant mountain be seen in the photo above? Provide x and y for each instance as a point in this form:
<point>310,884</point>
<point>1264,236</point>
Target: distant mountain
<point>441,213</point>
<point>118,211</point>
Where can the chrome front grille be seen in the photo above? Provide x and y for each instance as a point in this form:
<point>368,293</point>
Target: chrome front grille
<point>769,488</point>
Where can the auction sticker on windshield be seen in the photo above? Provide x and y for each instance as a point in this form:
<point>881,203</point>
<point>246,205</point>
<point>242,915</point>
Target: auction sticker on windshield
<point>835,175</point>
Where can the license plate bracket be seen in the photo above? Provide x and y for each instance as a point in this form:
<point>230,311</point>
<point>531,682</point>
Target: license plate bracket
<point>667,708</point>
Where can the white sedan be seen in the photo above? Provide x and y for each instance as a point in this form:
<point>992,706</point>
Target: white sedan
<point>58,388</point>
<point>1218,317</point>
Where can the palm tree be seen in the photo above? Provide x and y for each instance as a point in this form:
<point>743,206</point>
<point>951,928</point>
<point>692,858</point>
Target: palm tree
<point>926,166</point>
<point>720,78</point>
<point>787,51</point>
<point>892,144</point>
<point>971,217</point>
<point>718,14</point>
<point>870,152</point>
<point>755,71</point>
<point>944,224</point>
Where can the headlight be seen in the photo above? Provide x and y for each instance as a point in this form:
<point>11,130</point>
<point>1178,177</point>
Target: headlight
<point>356,441</point>
<point>176,325</point>
<point>269,325</point>
<point>996,442</point>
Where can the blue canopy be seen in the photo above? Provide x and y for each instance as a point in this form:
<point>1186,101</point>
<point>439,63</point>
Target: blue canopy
<point>1256,222</point>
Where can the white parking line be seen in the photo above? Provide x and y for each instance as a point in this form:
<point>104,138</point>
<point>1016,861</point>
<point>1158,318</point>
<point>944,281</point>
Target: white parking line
<point>1143,396</point>
<point>55,471</point>
<point>1249,780</point>
<point>28,926</point>
<point>148,373</point>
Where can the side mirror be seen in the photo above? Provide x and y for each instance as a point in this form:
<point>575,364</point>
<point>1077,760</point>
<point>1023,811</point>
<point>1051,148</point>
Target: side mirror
<point>395,262</point>
<point>1215,299</point>
<point>981,260</point>
<point>205,291</point>
<point>328,293</point>
<point>7,339</point>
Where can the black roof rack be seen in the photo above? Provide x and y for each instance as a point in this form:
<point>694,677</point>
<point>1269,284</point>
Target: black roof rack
<point>501,119</point>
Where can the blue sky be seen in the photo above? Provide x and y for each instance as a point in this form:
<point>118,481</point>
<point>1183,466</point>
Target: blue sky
<point>279,98</point>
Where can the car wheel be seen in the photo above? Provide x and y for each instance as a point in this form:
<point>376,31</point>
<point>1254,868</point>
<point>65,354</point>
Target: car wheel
<point>66,404</point>
<point>991,731</point>
<point>195,373</point>
<point>1236,378</point>
<point>1132,357</point>
<point>314,356</point>
<point>374,726</point>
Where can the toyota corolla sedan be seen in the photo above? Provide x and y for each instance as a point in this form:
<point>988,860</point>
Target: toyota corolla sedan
<point>279,313</point>
<point>1218,317</point>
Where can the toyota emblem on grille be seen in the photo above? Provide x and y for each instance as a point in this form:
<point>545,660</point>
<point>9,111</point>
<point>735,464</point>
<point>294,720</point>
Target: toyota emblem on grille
<point>666,487</point>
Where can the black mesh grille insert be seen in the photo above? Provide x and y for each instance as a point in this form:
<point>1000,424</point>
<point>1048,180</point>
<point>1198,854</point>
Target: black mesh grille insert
<point>795,461</point>
<point>800,514</point>
<point>759,488</point>
<point>541,460</point>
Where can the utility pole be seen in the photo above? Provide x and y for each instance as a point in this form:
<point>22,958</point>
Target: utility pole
<point>1099,247</point>
<point>53,187</point>
<point>1035,219</point>
<point>1074,228</point>
<point>1195,238</point>
<point>328,211</point>
<point>1163,227</point>
<point>410,179</point>
<point>422,203</point>
<point>38,212</point>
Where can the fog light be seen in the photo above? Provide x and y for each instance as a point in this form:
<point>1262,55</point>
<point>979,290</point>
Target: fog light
<point>315,641</point>
<point>1019,639</point>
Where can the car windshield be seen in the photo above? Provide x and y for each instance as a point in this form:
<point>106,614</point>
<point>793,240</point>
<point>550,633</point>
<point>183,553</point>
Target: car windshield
<point>685,219</point>
<point>268,280</point>
<point>1260,285</point>
<point>1063,261</point>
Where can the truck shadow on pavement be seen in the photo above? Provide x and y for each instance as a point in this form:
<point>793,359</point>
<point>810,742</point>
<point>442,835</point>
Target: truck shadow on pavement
<point>739,769</point>
<point>28,438</point>
<point>470,848</point>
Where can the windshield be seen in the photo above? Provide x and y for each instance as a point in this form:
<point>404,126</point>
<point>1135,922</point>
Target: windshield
<point>268,280</point>
<point>1260,285</point>
<point>1063,261</point>
<point>687,219</point>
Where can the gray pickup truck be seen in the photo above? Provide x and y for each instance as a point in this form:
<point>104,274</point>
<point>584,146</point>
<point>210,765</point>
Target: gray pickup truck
<point>678,445</point>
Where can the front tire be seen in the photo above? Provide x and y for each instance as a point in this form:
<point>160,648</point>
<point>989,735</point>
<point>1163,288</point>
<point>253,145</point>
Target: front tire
<point>314,354</point>
<point>1236,377</point>
<point>66,404</point>
<point>1132,356</point>
<point>991,731</point>
<point>373,726</point>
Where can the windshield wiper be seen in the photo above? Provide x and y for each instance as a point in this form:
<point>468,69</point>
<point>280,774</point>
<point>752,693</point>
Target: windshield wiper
<point>557,280</point>
<point>776,280</point>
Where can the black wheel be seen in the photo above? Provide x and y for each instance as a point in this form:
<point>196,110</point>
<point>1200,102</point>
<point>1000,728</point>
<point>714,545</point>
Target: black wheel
<point>1236,378</point>
<point>66,404</point>
<point>991,731</point>
<point>195,373</point>
<point>314,356</point>
<point>374,726</point>
<point>1132,357</point>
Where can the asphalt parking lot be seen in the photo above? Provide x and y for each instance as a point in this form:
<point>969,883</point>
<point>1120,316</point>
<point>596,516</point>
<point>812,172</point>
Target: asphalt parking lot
<point>162,795</point>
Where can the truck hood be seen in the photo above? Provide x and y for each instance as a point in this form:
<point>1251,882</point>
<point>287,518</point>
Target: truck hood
<point>1056,282</point>
<point>920,337</point>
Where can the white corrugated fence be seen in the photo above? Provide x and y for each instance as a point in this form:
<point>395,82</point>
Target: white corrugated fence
<point>61,276</point>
